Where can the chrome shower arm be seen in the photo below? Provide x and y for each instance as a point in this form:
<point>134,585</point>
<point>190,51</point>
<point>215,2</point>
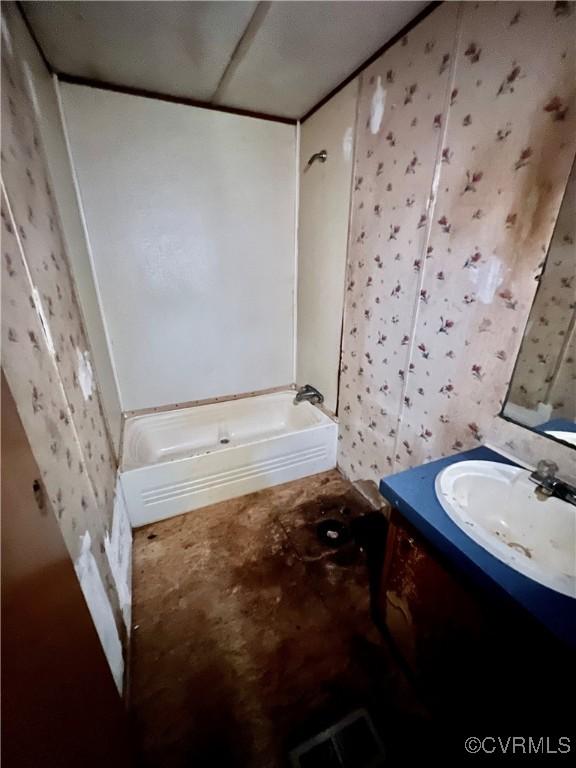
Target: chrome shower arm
<point>321,156</point>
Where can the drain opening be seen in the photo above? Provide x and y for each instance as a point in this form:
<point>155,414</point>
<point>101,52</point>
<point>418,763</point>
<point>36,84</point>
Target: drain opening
<point>224,441</point>
<point>333,533</point>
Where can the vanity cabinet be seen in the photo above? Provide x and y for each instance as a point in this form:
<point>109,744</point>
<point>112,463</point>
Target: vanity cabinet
<point>425,610</point>
<point>471,654</point>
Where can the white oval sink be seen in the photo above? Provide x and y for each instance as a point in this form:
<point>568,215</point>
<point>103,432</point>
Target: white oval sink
<point>567,437</point>
<point>497,506</point>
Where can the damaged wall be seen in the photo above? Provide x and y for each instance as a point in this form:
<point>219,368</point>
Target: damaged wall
<point>43,93</point>
<point>465,139</point>
<point>48,365</point>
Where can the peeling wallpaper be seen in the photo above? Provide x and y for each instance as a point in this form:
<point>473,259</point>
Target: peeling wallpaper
<point>44,92</point>
<point>45,353</point>
<point>461,164</point>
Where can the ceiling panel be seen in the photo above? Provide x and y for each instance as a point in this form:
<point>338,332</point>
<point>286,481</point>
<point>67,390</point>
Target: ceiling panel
<point>305,49</point>
<point>293,54</point>
<point>175,48</point>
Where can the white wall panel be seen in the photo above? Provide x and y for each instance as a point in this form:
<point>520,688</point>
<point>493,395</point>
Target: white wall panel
<point>323,241</point>
<point>190,218</point>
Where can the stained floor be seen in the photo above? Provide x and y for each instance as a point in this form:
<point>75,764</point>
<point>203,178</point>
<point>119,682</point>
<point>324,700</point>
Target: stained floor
<point>251,635</point>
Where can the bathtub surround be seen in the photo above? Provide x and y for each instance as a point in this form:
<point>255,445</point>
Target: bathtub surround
<point>178,461</point>
<point>322,240</point>
<point>46,356</point>
<point>190,219</point>
<point>457,187</point>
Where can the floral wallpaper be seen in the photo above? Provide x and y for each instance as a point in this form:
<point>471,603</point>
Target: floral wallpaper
<point>544,371</point>
<point>45,353</point>
<point>465,139</point>
<point>562,393</point>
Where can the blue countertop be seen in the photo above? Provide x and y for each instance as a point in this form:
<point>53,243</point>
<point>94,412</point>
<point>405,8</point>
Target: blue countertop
<point>560,425</point>
<point>412,492</point>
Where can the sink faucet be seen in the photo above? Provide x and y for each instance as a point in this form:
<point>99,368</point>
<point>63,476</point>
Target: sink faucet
<point>548,484</point>
<point>310,393</point>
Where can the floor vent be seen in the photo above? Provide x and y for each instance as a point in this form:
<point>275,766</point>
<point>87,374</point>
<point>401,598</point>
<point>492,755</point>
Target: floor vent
<point>351,743</point>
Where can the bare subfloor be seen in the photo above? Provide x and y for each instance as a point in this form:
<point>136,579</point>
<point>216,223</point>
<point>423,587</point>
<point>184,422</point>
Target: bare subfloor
<point>250,635</point>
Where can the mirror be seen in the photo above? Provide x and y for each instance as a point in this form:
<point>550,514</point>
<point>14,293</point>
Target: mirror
<point>542,393</point>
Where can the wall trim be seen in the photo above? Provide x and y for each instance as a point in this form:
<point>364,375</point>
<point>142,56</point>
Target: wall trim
<point>297,183</point>
<point>348,242</point>
<point>207,401</point>
<point>146,94</point>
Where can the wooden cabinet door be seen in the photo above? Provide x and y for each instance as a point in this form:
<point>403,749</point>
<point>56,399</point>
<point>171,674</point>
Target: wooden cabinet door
<point>60,707</point>
<point>431,618</point>
<point>475,657</point>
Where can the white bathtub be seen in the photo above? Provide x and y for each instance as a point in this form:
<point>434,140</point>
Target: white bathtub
<point>180,460</point>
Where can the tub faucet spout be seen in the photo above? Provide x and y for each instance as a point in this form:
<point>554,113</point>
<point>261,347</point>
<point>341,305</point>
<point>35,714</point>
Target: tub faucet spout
<point>310,393</point>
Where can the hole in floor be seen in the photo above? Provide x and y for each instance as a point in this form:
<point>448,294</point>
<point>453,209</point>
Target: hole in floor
<point>333,533</point>
<point>224,441</point>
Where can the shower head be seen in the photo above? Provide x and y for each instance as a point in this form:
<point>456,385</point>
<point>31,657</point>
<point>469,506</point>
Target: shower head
<point>321,156</point>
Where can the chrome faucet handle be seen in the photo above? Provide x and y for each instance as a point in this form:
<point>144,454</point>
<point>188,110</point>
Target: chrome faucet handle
<point>549,485</point>
<point>310,393</point>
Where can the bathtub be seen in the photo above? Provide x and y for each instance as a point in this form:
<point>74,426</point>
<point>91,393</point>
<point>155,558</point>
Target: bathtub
<point>177,461</point>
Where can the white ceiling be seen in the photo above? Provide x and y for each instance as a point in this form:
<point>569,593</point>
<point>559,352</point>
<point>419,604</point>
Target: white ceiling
<point>278,58</point>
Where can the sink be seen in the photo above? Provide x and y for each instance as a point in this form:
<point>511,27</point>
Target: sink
<point>497,506</point>
<point>567,437</point>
